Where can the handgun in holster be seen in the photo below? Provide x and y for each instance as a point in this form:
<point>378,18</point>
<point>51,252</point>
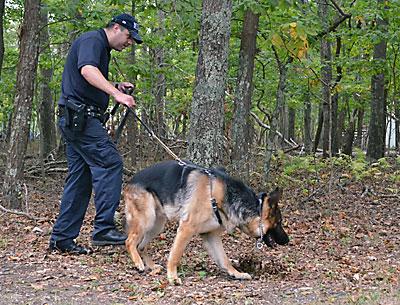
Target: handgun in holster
<point>75,115</point>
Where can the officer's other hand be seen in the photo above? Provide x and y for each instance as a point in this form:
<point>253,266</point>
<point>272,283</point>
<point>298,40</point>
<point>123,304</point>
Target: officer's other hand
<point>124,99</point>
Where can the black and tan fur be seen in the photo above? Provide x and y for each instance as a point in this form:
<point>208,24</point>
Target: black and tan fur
<point>171,190</point>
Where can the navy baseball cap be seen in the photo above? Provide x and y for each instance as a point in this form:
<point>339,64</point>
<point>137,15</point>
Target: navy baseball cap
<point>129,22</point>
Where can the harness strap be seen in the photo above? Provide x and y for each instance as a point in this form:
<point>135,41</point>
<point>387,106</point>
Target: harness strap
<point>216,211</point>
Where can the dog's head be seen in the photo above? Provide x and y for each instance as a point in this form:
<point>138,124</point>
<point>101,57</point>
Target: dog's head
<point>271,219</point>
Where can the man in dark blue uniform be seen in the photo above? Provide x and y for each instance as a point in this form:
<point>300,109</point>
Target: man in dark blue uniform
<point>93,159</point>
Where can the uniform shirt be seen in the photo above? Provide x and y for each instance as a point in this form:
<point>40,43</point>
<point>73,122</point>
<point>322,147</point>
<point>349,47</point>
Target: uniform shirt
<point>91,48</point>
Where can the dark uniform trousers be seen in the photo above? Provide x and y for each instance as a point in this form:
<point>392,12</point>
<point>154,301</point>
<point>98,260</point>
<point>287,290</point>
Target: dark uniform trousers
<point>93,161</point>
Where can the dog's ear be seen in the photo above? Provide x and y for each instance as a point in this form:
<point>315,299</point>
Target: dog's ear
<point>261,196</point>
<point>275,196</point>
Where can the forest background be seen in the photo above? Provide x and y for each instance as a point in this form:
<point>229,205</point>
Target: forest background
<point>268,89</point>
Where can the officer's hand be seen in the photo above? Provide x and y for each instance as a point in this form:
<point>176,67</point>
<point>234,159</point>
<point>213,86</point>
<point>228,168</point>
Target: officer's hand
<point>124,99</point>
<point>125,87</point>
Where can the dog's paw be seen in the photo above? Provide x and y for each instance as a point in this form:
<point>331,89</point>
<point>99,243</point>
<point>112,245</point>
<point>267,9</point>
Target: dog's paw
<point>175,281</point>
<point>140,267</point>
<point>156,269</point>
<point>242,276</point>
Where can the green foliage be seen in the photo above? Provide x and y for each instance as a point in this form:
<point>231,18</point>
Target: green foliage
<point>292,27</point>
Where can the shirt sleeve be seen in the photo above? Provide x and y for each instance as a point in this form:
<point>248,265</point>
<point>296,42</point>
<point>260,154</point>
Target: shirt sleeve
<point>89,52</point>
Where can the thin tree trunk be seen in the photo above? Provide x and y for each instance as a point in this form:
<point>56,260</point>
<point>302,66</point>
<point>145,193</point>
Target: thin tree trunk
<point>276,122</point>
<point>46,108</point>
<point>206,135</point>
<point>26,73</point>
<point>319,127</point>
<point>377,123</point>
<point>397,124</point>
<point>2,6</point>
<point>307,122</point>
<point>326,77</point>
<point>340,127</point>
<point>292,124</point>
<point>349,135</point>
<point>334,123</point>
<point>160,86</point>
<point>360,122</point>
<point>131,123</point>
<point>241,125</point>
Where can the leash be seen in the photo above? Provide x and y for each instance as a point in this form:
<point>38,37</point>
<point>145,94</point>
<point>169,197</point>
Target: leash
<point>259,243</point>
<point>154,137</point>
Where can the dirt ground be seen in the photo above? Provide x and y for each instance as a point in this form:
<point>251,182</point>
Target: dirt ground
<point>344,249</point>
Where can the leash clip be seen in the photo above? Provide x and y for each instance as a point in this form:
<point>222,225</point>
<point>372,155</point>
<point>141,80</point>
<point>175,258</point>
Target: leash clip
<point>259,244</point>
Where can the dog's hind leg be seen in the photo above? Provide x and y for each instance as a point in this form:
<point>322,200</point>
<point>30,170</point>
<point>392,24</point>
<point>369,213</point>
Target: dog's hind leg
<point>153,232</point>
<point>134,237</point>
<point>140,210</point>
<point>214,246</point>
<point>182,238</point>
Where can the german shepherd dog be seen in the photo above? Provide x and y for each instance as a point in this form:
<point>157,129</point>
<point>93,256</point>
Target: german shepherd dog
<point>204,202</point>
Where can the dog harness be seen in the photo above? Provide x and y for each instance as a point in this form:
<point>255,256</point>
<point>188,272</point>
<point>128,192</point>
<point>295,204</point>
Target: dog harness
<point>212,199</point>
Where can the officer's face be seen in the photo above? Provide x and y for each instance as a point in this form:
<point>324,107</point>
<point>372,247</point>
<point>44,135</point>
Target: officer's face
<point>122,39</point>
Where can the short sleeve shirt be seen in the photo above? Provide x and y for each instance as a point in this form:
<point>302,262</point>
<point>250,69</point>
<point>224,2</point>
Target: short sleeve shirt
<point>91,48</point>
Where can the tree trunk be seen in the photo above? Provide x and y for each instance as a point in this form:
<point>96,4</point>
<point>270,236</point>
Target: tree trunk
<point>307,123</point>
<point>26,73</point>
<point>160,86</point>
<point>360,122</point>
<point>206,135</point>
<point>2,6</point>
<point>241,125</point>
<point>276,122</point>
<point>334,123</point>
<point>335,135</point>
<point>340,127</point>
<point>292,124</point>
<point>349,135</point>
<point>131,123</point>
<point>377,123</point>
<point>326,78</point>
<point>46,108</point>
<point>319,127</point>
<point>397,124</point>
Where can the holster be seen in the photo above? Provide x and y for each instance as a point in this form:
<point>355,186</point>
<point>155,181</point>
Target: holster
<point>75,115</point>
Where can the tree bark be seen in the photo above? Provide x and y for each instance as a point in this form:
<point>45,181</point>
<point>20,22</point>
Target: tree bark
<point>241,125</point>
<point>2,6</point>
<point>307,123</point>
<point>349,135</point>
<point>377,123</point>
<point>46,108</point>
<point>292,124</point>
<point>277,117</point>
<point>360,122</point>
<point>206,135</point>
<point>131,123</point>
<point>160,86</point>
<point>26,73</point>
<point>326,78</point>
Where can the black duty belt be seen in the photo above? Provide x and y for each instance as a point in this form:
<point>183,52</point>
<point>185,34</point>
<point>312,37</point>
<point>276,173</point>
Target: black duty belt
<point>91,111</point>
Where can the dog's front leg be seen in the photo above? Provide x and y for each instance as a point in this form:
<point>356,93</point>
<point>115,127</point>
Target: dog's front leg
<point>182,238</point>
<point>214,246</point>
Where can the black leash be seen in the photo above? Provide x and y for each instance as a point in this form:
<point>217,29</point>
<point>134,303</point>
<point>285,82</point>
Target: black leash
<point>152,135</point>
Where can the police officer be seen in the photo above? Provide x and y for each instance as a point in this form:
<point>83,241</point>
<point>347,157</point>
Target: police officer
<point>93,159</point>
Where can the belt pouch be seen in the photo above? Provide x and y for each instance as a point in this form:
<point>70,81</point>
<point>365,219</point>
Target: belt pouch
<point>76,119</point>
